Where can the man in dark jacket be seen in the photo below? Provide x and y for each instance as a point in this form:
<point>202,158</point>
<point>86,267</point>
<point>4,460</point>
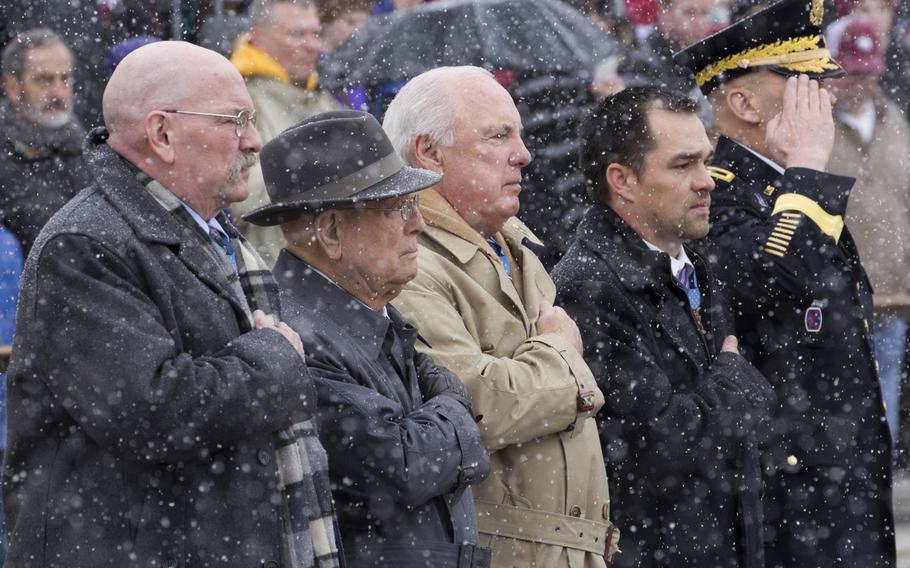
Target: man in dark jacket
<point>399,430</point>
<point>681,402</point>
<point>802,298</point>
<point>158,417</point>
<point>41,165</point>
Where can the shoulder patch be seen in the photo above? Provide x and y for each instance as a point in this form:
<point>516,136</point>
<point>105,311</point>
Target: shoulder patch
<point>721,174</point>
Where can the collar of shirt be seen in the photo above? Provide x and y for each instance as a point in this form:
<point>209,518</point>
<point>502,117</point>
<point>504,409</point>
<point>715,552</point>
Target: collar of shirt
<point>677,263</point>
<point>202,222</point>
<point>765,159</point>
<point>863,122</point>
<point>385,309</point>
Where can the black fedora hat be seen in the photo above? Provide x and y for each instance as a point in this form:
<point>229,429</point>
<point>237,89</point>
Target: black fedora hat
<point>784,37</point>
<point>330,159</point>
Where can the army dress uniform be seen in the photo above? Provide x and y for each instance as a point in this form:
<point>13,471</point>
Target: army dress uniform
<point>803,308</point>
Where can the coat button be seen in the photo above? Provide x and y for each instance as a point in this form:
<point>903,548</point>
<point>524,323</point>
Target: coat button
<point>866,325</point>
<point>792,461</point>
<point>605,511</point>
<point>575,511</point>
<point>170,563</point>
<point>264,457</point>
<point>271,564</point>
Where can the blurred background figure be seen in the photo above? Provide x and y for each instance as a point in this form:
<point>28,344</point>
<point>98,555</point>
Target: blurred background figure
<point>278,62</point>
<point>679,23</point>
<point>41,165</point>
<point>341,18</point>
<point>606,80</point>
<point>873,145</point>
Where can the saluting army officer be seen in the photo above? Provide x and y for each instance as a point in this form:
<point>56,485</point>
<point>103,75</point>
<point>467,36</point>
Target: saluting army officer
<point>802,299</point>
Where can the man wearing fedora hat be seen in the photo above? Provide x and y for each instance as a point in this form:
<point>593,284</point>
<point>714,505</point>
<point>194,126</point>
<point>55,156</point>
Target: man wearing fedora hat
<point>399,430</point>
<point>802,298</point>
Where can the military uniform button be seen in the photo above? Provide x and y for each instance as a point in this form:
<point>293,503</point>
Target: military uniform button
<point>792,461</point>
<point>575,511</point>
<point>271,564</point>
<point>264,457</point>
<point>605,511</point>
<point>170,563</point>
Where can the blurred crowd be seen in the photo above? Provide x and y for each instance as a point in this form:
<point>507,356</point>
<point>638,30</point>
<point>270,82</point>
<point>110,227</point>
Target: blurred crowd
<point>300,59</point>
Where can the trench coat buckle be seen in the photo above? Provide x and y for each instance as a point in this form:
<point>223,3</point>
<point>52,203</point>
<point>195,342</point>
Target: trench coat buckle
<point>585,401</point>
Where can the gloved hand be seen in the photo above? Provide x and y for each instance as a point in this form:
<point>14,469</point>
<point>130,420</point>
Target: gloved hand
<point>434,380</point>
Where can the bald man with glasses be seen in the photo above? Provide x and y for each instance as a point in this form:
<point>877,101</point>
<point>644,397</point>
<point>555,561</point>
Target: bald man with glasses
<point>160,411</point>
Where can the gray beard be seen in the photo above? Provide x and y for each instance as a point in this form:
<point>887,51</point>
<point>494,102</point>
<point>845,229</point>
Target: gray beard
<point>52,121</point>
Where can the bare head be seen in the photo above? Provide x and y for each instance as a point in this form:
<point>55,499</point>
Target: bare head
<point>200,158</point>
<point>460,122</point>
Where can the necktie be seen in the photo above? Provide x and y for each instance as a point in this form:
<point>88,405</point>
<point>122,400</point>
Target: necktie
<point>685,278</point>
<point>224,242</point>
<point>502,255</point>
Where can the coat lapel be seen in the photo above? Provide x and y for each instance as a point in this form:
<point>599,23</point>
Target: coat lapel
<point>643,272</point>
<point>465,243</point>
<point>153,223</point>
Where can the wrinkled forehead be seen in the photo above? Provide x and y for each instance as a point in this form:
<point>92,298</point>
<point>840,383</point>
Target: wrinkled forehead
<point>486,105</point>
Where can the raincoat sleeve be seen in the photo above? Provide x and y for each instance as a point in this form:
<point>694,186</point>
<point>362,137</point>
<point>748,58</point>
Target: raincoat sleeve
<point>123,379</point>
<point>381,451</point>
<point>685,427</point>
<point>791,253</point>
<point>540,387</point>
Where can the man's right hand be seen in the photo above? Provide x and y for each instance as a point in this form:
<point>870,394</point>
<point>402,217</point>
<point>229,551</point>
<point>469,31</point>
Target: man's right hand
<point>730,345</point>
<point>262,321</point>
<point>554,319</point>
<point>802,135</point>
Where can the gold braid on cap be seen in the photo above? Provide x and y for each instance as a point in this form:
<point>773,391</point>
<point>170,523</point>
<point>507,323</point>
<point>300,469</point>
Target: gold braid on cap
<point>800,54</point>
<point>817,12</point>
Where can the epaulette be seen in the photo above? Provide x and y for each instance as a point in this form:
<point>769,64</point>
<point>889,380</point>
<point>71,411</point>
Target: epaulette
<point>721,174</point>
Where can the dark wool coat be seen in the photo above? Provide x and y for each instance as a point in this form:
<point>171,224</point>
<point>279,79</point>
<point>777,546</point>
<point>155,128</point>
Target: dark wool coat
<point>677,426</point>
<point>400,466</point>
<point>141,406</point>
<point>803,310</point>
<point>40,170</point>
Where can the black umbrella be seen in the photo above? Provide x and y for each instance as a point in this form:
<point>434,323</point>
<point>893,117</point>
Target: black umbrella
<point>537,36</point>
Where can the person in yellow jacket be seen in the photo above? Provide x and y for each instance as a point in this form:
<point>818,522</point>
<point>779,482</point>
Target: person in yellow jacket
<point>277,59</point>
<point>484,304</point>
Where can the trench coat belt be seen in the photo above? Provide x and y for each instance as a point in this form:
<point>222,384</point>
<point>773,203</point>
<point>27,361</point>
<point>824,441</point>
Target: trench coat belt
<point>545,527</point>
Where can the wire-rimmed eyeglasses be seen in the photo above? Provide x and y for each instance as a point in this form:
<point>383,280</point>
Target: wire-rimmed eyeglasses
<point>241,120</point>
<point>408,209</point>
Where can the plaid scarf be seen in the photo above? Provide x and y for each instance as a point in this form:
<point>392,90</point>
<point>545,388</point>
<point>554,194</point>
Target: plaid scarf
<point>308,516</point>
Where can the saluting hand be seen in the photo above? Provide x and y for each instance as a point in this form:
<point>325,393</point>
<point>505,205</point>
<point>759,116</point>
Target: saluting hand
<point>802,134</point>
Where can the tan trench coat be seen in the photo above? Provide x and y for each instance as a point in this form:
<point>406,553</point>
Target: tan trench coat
<point>546,503</point>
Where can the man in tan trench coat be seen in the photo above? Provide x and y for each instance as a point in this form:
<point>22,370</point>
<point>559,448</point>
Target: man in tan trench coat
<point>483,301</point>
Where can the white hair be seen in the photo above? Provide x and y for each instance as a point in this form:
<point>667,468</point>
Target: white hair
<point>425,105</point>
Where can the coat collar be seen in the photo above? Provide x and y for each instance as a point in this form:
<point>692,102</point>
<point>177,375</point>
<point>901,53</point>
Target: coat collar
<point>640,269</point>
<point>451,232</point>
<point>116,178</point>
<point>743,163</point>
<point>331,302</point>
